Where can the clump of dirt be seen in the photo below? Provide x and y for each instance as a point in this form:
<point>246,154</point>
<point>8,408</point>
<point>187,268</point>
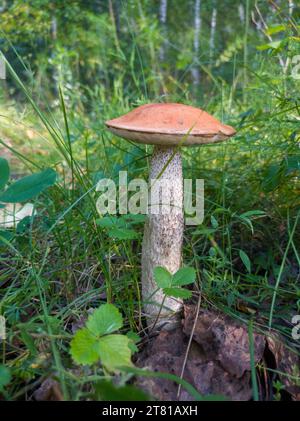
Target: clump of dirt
<point>218,361</point>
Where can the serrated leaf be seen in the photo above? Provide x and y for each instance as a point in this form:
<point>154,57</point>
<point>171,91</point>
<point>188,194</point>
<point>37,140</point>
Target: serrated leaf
<point>4,173</point>
<point>5,376</point>
<point>106,319</point>
<point>184,276</point>
<point>84,347</point>
<point>28,187</point>
<point>177,292</point>
<point>162,277</point>
<point>245,259</point>
<point>114,351</point>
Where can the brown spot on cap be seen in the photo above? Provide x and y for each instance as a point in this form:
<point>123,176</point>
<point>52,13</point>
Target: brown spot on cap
<point>170,124</point>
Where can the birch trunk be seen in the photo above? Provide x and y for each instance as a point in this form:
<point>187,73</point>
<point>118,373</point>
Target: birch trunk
<point>197,29</point>
<point>213,24</point>
<point>241,11</point>
<point>55,72</point>
<point>163,8</point>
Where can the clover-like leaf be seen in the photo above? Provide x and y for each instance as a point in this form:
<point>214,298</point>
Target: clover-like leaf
<point>28,187</point>
<point>123,233</point>
<point>106,319</point>
<point>84,347</point>
<point>114,351</point>
<point>184,276</point>
<point>177,292</point>
<point>162,277</point>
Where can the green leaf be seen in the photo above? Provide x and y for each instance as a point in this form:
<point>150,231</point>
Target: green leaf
<point>84,347</point>
<point>292,163</point>
<point>275,29</point>
<point>274,45</point>
<point>184,276</point>
<point>162,277</point>
<point>133,336</point>
<point>245,259</point>
<point>4,173</point>
<point>212,252</point>
<point>5,235</point>
<point>27,339</point>
<point>133,340</point>
<point>24,225</point>
<point>252,213</point>
<point>272,177</point>
<point>28,187</point>
<point>110,222</point>
<point>177,292</point>
<point>123,234</point>
<point>204,231</point>
<point>133,219</point>
<point>214,222</point>
<point>106,319</point>
<point>5,376</point>
<point>114,351</point>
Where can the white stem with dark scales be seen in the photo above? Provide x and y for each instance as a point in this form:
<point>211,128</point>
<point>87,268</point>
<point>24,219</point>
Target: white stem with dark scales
<point>163,236</point>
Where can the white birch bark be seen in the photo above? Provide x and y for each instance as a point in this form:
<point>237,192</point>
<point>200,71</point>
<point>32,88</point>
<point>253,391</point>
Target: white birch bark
<point>291,7</point>
<point>213,24</point>
<point>241,11</point>
<point>163,8</point>
<point>197,29</point>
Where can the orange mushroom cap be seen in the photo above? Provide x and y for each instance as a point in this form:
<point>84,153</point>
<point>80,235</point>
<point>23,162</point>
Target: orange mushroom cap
<point>169,124</point>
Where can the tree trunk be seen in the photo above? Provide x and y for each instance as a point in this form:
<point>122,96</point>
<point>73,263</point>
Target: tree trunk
<point>241,10</point>
<point>197,28</point>
<point>291,7</point>
<point>163,19</point>
<point>55,72</point>
<point>213,24</point>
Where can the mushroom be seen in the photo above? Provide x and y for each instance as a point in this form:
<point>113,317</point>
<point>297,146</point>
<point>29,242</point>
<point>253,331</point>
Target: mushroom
<point>167,126</point>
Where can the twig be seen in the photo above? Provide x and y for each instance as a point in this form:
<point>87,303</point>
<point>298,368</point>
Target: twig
<point>190,343</point>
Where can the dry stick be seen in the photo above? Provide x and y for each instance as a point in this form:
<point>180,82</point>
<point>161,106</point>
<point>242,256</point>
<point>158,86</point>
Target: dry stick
<point>290,18</point>
<point>281,61</point>
<point>190,343</point>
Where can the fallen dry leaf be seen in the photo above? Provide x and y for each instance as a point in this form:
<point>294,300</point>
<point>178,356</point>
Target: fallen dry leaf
<point>218,361</point>
<point>287,363</point>
<point>223,339</point>
<point>49,390</point>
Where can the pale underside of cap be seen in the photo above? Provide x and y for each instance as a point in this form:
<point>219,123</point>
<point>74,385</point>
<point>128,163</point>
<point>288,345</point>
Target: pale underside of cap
<point>170,124</point>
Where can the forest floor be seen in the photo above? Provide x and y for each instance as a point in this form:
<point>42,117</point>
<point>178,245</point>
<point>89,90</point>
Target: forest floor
<point>62,265</point>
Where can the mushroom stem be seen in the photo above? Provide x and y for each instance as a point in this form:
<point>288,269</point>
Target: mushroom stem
<point>163,235</point>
